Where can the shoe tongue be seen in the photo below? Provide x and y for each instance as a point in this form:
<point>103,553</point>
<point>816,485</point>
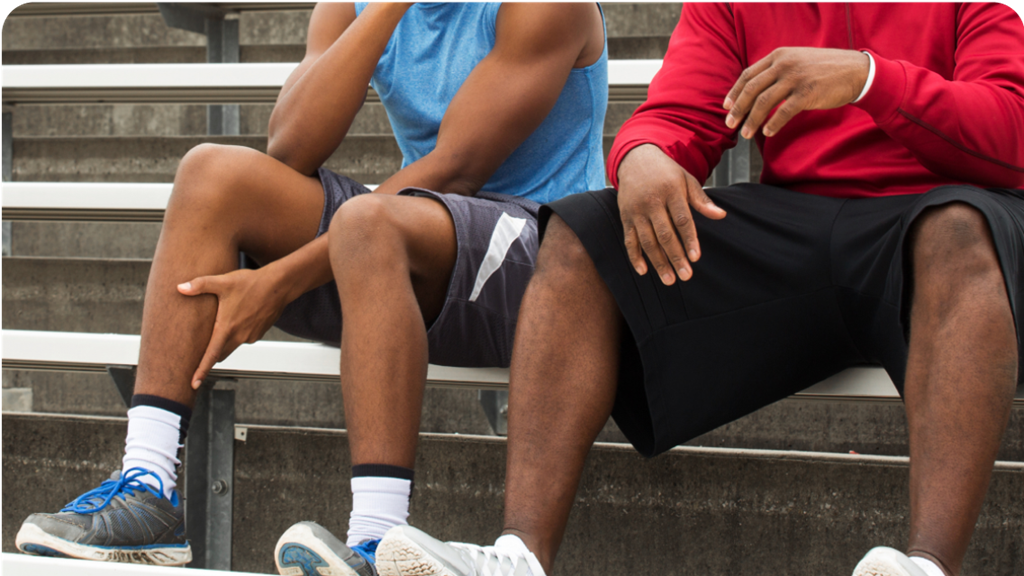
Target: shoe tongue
<point>512,544</point>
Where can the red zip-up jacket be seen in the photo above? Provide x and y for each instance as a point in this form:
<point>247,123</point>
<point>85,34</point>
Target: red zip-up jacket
<point>946,105</point>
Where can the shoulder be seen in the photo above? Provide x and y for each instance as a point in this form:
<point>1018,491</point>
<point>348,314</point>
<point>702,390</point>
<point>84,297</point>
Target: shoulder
<point>327,23</point>
<point>545,26</point>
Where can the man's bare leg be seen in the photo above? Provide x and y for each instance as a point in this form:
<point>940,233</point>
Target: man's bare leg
<point>392,258</point>
<point>563,382</point>
<point>225,199</point>
<point>960,381</point>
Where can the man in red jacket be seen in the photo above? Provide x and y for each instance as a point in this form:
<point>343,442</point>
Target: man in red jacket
<point>888,228</point>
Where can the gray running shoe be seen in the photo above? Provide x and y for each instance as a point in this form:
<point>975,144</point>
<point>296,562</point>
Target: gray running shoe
<point>882,561</point>
<point>406,551</point>
<point>123,520</point>
<point>309,549</point>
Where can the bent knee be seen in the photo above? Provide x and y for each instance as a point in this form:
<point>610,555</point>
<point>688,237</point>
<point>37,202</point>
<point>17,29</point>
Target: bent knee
<point>562,255</point>
<point>364,228</point>
<point>211,176</point>
<point>952,244</point>
<point>949,233</point>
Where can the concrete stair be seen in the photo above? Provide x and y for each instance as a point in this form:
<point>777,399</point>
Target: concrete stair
<point>690,511</point>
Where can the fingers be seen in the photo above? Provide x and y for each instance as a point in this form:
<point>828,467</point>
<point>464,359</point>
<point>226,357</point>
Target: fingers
<point>636,257</point>
<point>745,77</point>
<point>201,285</point>
<point>763,105</point>
<point>214,353</point>
<point>753,95</point>
<point>651,246</point>
<point>782,115</point>
<point>668,238</point>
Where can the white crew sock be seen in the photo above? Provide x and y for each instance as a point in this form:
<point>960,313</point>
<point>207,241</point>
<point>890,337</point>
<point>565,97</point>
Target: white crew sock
<point>152,443</point>
<point>928,566</point>
<point>379,503</point>
<point>514,546</point>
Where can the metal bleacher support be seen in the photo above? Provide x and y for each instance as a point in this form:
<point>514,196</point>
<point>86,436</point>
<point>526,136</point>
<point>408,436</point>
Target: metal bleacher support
<point>220,26</point>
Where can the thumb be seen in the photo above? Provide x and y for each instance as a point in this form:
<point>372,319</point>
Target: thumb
<point>702,203</point>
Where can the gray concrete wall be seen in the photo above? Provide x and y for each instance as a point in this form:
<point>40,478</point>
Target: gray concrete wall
<point>690,511</point>
<point>634,31</point>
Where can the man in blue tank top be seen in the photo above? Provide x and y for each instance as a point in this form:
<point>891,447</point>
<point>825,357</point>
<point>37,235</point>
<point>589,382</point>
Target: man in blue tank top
<point>496,108</point>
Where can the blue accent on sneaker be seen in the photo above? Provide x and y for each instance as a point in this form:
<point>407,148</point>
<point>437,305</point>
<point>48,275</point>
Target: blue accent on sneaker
<point>367,550</point>
<point>99,498</point>
<point>298,555</point>
<point>39,550</point>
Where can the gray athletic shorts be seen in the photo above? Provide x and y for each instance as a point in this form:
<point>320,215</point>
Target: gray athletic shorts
<point>497,243</point>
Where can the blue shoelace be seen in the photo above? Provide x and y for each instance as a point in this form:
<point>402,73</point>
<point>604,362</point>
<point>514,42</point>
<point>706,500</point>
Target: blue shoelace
<point>110,489</point>
<point>367,550</point>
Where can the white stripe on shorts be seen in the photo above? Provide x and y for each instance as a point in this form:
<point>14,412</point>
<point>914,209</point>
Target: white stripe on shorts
<point>505,233</point>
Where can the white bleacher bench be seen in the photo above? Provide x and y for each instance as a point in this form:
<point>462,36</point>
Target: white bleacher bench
<point>269,360</point>
<point>88,201</point>
<point>120,8</point>
<point>212,83</point>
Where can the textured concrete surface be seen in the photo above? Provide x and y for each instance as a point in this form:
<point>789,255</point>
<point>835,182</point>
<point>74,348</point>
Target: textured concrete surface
<point>17,400</point>
<point>109,240</point>
<point>690,511</point>
<point>369,159</point>
<point>269,402</point>
<point>160,120</point>
<point>634,31</point>
<point>74,295</point>
<point>261,28</point>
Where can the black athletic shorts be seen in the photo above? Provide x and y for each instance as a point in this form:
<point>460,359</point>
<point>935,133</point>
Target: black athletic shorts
<point>791,288</point>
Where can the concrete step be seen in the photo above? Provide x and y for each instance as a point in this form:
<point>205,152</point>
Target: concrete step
<point>807,424</point>
<point>369,159</point>
<point>634,31</point>
<point>690,511</point>
<point>161,120</point>
<point>261,402</point>
<point>190,120</point>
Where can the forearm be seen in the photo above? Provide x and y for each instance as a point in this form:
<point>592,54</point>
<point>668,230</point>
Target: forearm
<point>313,114</point>
<point>307,268</point>
<point>969,131</point>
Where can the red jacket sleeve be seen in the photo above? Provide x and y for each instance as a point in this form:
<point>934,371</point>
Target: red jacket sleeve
<point>970,128</point>
<point>683,114</point>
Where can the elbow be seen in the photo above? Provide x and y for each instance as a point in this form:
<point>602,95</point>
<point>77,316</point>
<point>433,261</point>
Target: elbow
<point>463,186</point>
<point>285,150</point>
<point>456,173</point>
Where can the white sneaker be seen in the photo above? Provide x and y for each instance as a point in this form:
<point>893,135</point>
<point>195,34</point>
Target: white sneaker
<point>406,551</point>
<point>883,561</point>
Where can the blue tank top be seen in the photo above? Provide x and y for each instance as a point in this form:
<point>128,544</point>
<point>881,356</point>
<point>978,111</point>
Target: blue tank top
<point>432,52</point>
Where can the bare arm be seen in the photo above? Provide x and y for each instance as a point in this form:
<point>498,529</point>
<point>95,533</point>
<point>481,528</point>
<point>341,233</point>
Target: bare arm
<point>320,99</point>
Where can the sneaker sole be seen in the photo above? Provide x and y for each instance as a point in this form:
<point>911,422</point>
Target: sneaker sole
<point>33,540</point>
<point>399,555</point>
<point>304,550</point>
